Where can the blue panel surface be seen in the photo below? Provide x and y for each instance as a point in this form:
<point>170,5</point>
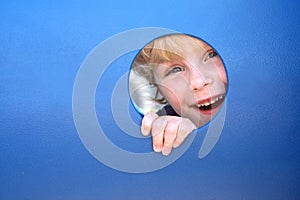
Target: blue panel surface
<point>43,44</point>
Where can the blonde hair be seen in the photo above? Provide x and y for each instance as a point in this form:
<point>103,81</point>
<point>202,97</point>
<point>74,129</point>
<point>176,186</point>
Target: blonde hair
<point>162,49</point>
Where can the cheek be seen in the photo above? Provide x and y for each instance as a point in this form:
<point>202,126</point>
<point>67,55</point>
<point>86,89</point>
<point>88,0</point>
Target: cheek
<point>221,70</point>
<point>222,74</point>
<point>173,96</point>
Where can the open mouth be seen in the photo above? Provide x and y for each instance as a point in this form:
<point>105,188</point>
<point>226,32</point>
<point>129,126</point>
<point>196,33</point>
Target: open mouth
<point>213,103</point>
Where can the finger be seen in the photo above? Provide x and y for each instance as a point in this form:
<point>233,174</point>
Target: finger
<point>185,128</point>
<point>158,128</point>
<point>170,135</point>
<point>147,122</point>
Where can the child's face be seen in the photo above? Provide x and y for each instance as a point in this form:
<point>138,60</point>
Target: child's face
<point>195,84</point>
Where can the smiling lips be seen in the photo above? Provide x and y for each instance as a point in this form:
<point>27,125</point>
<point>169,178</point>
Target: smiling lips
<point>211,103</point>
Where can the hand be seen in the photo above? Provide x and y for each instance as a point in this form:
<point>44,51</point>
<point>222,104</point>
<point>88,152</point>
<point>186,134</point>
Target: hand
<point>168,132</point>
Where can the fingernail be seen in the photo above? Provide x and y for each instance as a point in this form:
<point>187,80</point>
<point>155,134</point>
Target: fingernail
<point>166,151</point>
<point>156,149</point>
<point>175,145</point>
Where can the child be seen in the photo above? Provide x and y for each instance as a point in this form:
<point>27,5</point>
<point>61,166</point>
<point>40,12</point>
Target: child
<point>191,79</point>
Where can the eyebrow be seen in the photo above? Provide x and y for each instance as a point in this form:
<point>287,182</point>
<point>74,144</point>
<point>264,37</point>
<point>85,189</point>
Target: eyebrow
<point>171,65</point>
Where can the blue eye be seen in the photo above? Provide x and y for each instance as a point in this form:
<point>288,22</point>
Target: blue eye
<point>176,69</point>
<point>210,55</point>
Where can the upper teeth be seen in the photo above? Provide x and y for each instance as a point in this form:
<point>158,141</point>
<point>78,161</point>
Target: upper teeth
<point>211,101</point>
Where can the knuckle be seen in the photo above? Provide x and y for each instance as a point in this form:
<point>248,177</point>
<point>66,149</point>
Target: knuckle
<point>186,128</point>
<point>159,125</point>
<point>160,121</point>
<point>171,130</point>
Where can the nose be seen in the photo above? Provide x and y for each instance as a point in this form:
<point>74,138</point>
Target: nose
<point>199,80</point>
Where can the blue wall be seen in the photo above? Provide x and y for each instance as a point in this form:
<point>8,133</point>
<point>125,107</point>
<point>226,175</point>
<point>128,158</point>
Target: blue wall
<point>42,47</point>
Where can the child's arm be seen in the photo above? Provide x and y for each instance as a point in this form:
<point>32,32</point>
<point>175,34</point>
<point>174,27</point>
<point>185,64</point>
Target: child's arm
<point>167,131</point>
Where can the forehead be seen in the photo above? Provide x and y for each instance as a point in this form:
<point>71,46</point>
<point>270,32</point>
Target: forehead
<point>191,42</point>
<point>190,48</point>
<point>169,48</point>
<point>194,46</point>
